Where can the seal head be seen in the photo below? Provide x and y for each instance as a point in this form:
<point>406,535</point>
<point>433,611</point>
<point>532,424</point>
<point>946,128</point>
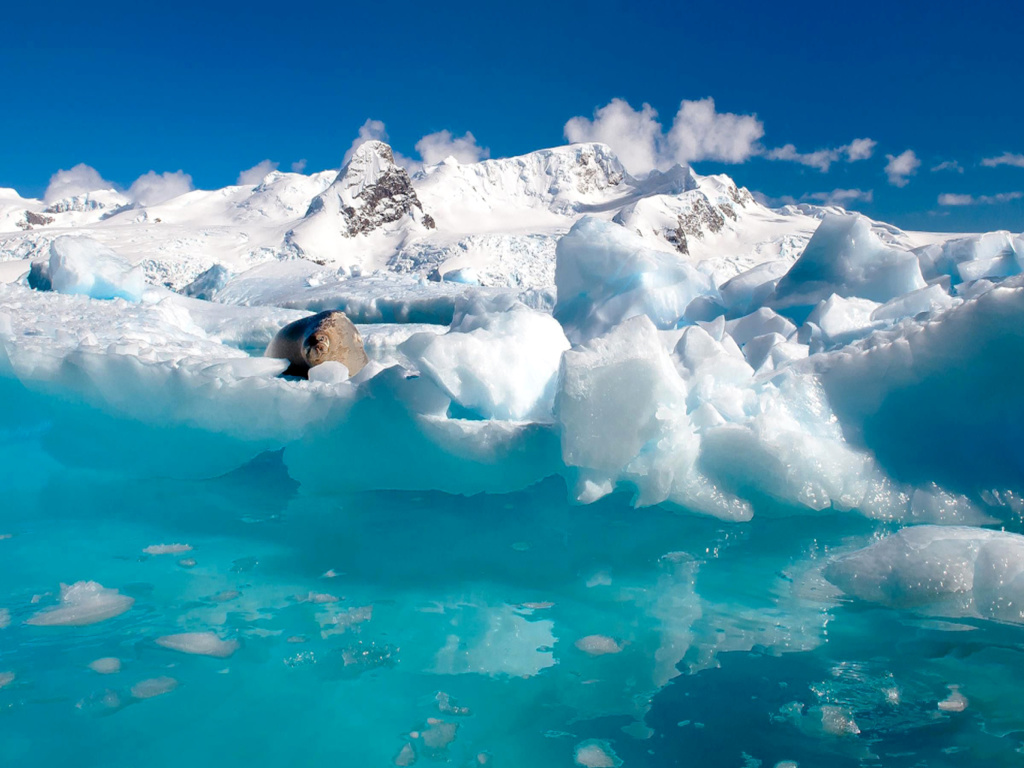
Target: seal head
<point>317,339</point>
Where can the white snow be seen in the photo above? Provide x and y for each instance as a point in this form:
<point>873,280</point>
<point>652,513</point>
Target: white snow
<point>83,603</point>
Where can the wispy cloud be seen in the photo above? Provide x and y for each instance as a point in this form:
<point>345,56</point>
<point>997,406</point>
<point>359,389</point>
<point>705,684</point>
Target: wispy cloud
<point>1004,159</point>
<point>256,174</point>
<point>77,180</point>
<point>951,199</point>
<point>822,159</point>
<point>299,166</point>
<point>152,188</point>
<point>901,167</point>
<point>948,165</point>
<point>844,198</point>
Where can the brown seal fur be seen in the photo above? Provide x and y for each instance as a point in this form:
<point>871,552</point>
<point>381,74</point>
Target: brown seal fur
<point>317,339</point>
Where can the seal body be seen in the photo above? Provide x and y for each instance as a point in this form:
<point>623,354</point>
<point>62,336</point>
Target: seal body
<point>317,339</point>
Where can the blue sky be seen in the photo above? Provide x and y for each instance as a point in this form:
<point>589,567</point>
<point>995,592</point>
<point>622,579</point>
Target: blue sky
<point>213,89</point>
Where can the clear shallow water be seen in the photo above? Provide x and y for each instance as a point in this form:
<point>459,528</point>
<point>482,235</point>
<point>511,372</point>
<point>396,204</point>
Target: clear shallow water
<point>730,646</point>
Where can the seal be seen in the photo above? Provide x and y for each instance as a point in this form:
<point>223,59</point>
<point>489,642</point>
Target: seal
<point>316,339</point>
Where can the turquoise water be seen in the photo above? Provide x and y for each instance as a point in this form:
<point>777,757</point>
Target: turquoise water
<point>455,631</point>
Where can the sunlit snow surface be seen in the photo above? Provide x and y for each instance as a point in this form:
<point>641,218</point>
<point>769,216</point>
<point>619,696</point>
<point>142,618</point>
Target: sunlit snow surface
<point>658,519</point>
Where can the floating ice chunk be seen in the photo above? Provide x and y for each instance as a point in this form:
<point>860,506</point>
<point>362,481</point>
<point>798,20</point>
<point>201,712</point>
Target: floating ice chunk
<point>955,569</point>
<point>83,266</point>
<point>955,702</point>
<point>167,549</point>
<point>5,618</point>
<point>758,323</point>
<point>156,686</point>
<point>330,372</point>
<point>596,754</point>
<point>199,643</point>
<point>406,756</point>
<point>6,678</point>
<point>496,364</point>
<point>759,348</point>
<point>846,258</point>
<point>992,255</point>
<point>108,665</point>
<point>605,274</point>
<point>83,603</point>
<point>843,320</point>
<point>447,705</point>
<point>750,289</point>
<point>931,299</point>
<point>438,734</point>
<point>622,409</point>
<point>598,645</point>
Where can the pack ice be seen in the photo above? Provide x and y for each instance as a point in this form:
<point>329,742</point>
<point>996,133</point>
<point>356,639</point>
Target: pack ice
<point>702,383</point>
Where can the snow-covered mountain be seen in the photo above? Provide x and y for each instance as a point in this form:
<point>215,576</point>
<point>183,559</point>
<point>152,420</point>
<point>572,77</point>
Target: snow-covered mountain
<point>494,222</point>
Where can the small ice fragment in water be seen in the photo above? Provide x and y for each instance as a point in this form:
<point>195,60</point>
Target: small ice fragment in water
<point>406,756</point>
<point>600,579</point>
<point>329,574</point>
<point>438,734</point>
<point>225,596</point>
<point>82,603</point>
<point>6,678</point>
<point>447,705</point>
<point>319,598</point>
<point>156,686</point>
<point>301,659</point>
<point>199,643</point>
<point>5,618</point>
<point>837,721</point>
<point>108,665</point>
<point>955,702</point>
<point>787,764</point>
<point>167,549</point>
<point>596,754</point>
<point>187,562</point>
<point>598,645</point>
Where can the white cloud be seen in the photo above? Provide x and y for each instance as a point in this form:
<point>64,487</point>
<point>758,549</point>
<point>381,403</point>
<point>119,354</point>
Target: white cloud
<point>822,159</point>
<point>636,137</point>
<point>152,188</point>
<point>1004,159</point>
<point>699,132</point>
<point>78,180</point>
<point>948,165</point>
<point>371,130</point>
<point>256,174</point>
<point>436,147</point>
<point>859,149</point>
<point>950,199</point>
<point>299,166</point>
<point>901,167</point>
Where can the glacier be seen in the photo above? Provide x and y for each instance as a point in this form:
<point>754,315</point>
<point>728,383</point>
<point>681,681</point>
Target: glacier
<point>640,472</point>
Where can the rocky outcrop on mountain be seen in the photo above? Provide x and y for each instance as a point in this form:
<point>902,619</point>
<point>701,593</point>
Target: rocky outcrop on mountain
<point>371,195</point>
